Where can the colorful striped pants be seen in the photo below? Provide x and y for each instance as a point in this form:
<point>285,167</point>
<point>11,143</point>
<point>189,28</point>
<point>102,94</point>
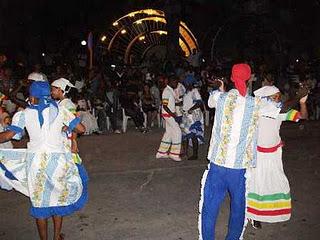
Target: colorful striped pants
<point>215,183</point>
<point>171,140</point>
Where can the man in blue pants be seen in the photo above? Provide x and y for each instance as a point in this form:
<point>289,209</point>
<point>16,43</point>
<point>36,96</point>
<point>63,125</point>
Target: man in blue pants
<point>232,150</point>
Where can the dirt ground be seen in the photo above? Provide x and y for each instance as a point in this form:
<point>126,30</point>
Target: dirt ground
<point>134,196</point>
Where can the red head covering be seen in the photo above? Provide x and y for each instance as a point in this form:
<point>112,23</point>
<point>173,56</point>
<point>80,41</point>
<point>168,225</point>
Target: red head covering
<point>241,73</point>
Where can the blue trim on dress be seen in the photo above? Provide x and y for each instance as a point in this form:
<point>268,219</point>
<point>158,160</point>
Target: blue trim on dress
<point>14,128</point>
<point>195,130</point>
<point>8,174</point>
<point>46,212</point>
<point>73,124</point>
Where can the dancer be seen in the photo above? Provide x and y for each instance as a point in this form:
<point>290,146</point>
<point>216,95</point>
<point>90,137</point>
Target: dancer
<point>179,92</point>
<point>170,146</point>
<point>269,197</point>
<point>59,91</point>
<point>192,125</point>
<point>232,150</point>
<point>44,172</point>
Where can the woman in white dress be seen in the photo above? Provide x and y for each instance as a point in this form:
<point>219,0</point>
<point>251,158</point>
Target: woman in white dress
<point>192,125</point>
<point>268,198</point>
<point>45,171</point>
<point>59,91</point>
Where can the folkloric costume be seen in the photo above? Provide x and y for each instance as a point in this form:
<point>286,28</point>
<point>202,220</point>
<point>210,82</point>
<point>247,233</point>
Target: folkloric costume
<point>65,86</point>
<point>232,150</point>
<point>192,123</point>
<point>45,171</point>
<point>171,141</point>
<point>268,198</point>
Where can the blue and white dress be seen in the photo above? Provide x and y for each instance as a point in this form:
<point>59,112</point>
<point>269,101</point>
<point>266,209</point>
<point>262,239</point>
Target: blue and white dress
<point>192,124</point>
<point>69,105</point>
<point>45,171</point>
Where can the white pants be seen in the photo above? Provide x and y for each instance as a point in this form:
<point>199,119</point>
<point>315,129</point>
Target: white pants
<point>171,140</point>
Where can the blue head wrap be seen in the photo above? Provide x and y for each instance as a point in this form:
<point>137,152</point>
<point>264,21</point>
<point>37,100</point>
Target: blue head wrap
<point>189,80</point>
<point>41,91</point>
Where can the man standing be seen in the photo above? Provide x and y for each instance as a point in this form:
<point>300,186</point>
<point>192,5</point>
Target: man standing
<point>170,146</point>
<point>232,150</point>
<point>45,172</point>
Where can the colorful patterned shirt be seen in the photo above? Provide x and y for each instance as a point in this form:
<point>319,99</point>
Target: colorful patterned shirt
<point>233,141</point>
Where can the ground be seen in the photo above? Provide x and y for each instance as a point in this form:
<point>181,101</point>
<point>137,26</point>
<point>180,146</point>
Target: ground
<point>134,196</point>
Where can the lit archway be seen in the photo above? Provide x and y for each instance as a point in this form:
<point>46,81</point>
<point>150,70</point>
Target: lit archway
<point>138,31</point>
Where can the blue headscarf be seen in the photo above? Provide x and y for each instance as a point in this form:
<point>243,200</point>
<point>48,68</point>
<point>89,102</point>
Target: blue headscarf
<point>41,91</point>
<point>189,80</point>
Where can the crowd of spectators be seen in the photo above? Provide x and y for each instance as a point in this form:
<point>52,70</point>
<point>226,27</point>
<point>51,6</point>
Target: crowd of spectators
<point>106,94</point>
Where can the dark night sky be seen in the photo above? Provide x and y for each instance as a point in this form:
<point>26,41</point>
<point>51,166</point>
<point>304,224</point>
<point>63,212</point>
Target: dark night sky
<point>25,24</point>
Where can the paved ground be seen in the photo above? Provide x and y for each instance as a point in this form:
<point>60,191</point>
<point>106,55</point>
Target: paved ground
<point>134,196</point>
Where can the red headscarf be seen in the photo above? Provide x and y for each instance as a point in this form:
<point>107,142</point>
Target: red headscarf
<point>241,73</point>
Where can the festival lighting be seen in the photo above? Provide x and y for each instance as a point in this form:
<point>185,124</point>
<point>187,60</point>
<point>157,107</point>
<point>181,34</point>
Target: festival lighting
<point>83,43</point>
<point>137,25</point>
<point>43,54</point>
<point>103,38</point>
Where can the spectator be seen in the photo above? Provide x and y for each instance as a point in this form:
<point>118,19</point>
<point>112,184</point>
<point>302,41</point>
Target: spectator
<point>148,105</point>
<point>132,109</point>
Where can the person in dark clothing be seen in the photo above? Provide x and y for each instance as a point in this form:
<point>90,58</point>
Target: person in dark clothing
<point>132,109</point>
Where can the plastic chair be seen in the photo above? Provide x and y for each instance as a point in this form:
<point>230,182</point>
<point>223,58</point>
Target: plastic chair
<point>159,120</point>
<point>125,119</point>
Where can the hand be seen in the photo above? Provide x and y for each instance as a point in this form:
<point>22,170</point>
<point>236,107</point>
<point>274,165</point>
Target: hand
<point>221,88</point>
<point>303,99</point>
<point>173,115</point>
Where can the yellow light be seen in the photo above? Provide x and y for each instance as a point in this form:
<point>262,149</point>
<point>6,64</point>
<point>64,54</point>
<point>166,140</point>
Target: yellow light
<point>115,24</point>
<point>138,22</point>
<point>152,12</point>
<point>123,31</point>
<point>142,38</point>
<point>103,38</point>
<point>162,32</point>
<point>131,14</point>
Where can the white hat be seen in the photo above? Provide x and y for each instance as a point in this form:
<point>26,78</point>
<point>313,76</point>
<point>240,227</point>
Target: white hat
<point>62,83</point>
<point>266,91</point>
<point>39,77</point>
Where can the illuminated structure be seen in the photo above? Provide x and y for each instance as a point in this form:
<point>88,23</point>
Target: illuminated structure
<point>136,33</point>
